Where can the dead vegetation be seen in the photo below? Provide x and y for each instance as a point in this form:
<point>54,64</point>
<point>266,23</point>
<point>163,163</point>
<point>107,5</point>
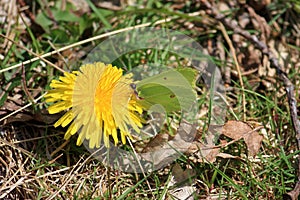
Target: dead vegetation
<point>255,156</point>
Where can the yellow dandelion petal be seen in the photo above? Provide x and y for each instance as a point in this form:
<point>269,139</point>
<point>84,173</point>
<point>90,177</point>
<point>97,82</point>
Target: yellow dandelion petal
<point>65,119</point>
<point>99,101</point>
<point>58,107</point>
<point>123,137</point>
<point>80,139</point>
<point>71,131</point>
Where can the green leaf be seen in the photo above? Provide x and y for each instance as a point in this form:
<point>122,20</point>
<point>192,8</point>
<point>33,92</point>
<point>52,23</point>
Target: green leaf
<point>172,89</point>
<point>59,35</point>
<point>64,15</point>
<point>43,21</point>
<point>3,98</point>
<point>84,23</point>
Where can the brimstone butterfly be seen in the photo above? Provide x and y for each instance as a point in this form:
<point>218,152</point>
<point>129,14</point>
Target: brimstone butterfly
<point>172,89</point>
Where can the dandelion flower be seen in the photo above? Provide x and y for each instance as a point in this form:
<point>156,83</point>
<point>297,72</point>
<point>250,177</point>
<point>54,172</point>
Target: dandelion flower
<point>99,101</point>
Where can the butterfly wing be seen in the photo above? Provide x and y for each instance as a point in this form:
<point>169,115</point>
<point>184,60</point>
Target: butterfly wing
<point>172,89</point>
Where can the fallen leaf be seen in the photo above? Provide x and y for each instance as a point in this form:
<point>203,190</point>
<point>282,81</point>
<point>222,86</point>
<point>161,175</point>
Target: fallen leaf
<point>181,176</point>
<point>44,117</point>
<point>182,179</point>
<point>206,151</point>
<point>163,149</point>
<point>203,153</point>
<point>184,192</point>
<point>10,106</point>
<point>210,155</point>
<point>226,155</point>
<point>253,141</point>
<point>294,194</point>
<point>20,117</point>
<point>237,130</point>
<point>156,143</point>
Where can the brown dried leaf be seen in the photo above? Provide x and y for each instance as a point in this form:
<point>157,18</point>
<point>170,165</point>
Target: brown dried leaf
<point>163,148</point>
<point>10,106</point>
<point>20,117</point>
<point>294,194</point>
<point>212,155</point>
<point>206,151</point>
<point>44,117</point>
<point>180,175</point>
<point>203,152</point>
<point>237,130</point>
<point>226,155</point>
<point>182,180</point>
<point>156,143</point>
<point>253,141</point>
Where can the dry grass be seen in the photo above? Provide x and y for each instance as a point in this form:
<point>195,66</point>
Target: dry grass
<point>37,163</point>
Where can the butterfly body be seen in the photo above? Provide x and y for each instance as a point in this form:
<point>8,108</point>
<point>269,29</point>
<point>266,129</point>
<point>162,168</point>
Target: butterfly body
<point>133,86</point>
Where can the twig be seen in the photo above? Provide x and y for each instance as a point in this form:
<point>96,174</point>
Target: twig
<point>26,106</point>
<point>295,192</point>
<point>59,148</point>
<point>7,143</point>
<point>238,68</point>
<point>41,57</point>
<point>33,53</point>
<point>12,187</point>
<point>289,87</point>
<point>140,165</point>
<point>72,173</point>
<point>90,40</point>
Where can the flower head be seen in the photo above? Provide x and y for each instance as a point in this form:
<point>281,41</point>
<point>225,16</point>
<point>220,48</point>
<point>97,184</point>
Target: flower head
<point>99,101</point>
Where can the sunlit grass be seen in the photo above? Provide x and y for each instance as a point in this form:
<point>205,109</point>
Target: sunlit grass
<point>269,175</point>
